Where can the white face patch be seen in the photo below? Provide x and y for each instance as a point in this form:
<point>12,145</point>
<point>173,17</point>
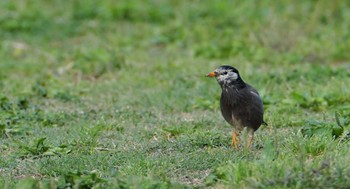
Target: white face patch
<point>226,77</point>
<point>232,75</point>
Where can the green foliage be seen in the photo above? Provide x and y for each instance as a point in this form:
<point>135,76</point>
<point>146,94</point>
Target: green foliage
<point>96,62</point>
<point>5,104</point>
<point>39,148</point>
<point>92,179</point>
<point>2,129</point>
<point>254,175</point>
<point>77,179</point>
<point>338,128</point>
<point>28,183</point>
<point>112,94</point>
<point>39,89</point>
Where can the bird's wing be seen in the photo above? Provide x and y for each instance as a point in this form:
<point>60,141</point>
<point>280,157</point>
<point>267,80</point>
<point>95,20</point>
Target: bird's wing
<point>255,93</point>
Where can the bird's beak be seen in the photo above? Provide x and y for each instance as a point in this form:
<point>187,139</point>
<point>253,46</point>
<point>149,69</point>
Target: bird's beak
<point>211,74</point>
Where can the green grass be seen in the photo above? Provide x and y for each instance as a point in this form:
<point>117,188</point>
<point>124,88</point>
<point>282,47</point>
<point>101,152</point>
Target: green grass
<point>111,94</point>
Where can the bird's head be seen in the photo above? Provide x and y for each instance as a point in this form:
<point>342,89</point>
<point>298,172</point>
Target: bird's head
<point>227,76</point>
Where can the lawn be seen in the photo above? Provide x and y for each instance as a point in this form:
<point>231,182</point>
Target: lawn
<point>112,94</point>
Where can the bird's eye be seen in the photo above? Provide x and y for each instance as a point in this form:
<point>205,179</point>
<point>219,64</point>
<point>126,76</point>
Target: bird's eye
<point>224,73</point>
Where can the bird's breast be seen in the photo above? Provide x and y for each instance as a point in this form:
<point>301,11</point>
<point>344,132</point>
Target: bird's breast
<point>241,107</point>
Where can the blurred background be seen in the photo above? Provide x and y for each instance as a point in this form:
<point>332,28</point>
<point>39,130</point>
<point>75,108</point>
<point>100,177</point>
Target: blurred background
<point>153,54</point>
<point>137,67</point>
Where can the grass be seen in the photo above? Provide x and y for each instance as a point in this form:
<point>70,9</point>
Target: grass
<point>112,95</point>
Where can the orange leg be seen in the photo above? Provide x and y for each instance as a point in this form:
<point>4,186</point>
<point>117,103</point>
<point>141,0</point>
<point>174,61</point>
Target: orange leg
<point>235,140</point>
<point>250,139</point>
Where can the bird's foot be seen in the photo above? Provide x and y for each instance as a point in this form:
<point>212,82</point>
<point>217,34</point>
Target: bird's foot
<point>250,141</point>
<point>235,139</point>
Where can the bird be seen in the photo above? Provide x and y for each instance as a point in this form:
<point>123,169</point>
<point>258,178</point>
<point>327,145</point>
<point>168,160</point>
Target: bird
<point>240,104</point>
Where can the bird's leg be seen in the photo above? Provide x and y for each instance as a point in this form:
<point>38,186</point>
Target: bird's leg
<point>235,139</point>
<point>250,138</point>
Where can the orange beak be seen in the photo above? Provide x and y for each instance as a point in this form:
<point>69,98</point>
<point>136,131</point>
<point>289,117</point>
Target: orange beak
<point>211,74</point>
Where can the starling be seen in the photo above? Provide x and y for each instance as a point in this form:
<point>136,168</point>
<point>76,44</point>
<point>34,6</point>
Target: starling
<point>240,103</point>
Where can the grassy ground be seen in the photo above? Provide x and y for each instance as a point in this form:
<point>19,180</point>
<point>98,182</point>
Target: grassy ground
<point>109,94</point>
